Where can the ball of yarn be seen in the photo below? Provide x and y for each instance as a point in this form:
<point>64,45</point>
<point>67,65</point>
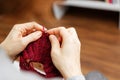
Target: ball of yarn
<point>39,51</point>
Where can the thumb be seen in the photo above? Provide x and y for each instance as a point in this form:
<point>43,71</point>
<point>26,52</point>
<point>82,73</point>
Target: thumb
<point>31,37</point>
<point>55,43</point>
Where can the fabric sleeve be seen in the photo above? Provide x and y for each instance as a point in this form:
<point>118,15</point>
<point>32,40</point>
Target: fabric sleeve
<point>9,72</point>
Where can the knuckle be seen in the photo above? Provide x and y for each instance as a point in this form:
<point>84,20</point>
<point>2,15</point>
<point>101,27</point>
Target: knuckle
<point>72,29</point>
<point>61,28</point>
<point>16,26</point>
<point>33,22</point>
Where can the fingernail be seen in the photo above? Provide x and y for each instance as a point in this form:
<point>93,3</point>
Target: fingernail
<point>45,28</point>
<point>52,36</point>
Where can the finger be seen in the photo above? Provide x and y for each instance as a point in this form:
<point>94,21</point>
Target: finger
<point>54,43</point>
<point>72,31</point>
<point>59,32</point>
<point>28,27</point>
<point>74,35</point>
<point>55,31</point>
<point>33,25</point>
<point>64,34</point>
<point>31,37</point>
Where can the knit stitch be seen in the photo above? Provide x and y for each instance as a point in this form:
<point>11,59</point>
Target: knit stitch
<point>39,51</point>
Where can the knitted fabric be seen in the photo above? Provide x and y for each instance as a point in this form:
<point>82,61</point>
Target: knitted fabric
<point>39,51</point>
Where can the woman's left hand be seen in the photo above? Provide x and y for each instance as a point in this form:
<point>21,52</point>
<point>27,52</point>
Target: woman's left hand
<point>20,36</point>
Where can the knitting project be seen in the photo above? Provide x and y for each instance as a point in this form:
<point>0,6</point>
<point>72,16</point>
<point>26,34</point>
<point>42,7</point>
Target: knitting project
<point>39,51</point>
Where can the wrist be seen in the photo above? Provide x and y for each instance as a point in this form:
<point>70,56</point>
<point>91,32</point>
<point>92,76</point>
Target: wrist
<point>71,73</point>
<point>79,77</point>
<point>4,47</point>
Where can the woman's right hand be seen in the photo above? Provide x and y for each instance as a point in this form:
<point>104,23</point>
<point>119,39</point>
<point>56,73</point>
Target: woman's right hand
<point>65,51</point>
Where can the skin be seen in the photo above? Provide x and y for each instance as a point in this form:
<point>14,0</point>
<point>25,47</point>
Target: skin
<point>65,56</point>
<point>20,36</point>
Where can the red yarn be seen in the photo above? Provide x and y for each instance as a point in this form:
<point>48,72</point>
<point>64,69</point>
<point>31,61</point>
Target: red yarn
<point>39,51</point>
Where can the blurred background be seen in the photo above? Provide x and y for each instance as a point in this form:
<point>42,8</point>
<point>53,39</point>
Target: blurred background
<point>97,29</point>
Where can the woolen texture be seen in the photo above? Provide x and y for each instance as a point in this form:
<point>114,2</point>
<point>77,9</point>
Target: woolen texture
<point>39,51</point>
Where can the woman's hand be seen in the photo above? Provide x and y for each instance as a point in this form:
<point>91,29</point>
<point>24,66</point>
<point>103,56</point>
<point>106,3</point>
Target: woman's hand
<point>20,36</point>
<point>65,56</point>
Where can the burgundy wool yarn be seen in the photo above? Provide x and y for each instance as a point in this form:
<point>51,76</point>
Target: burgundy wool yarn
<point>39,51</point>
